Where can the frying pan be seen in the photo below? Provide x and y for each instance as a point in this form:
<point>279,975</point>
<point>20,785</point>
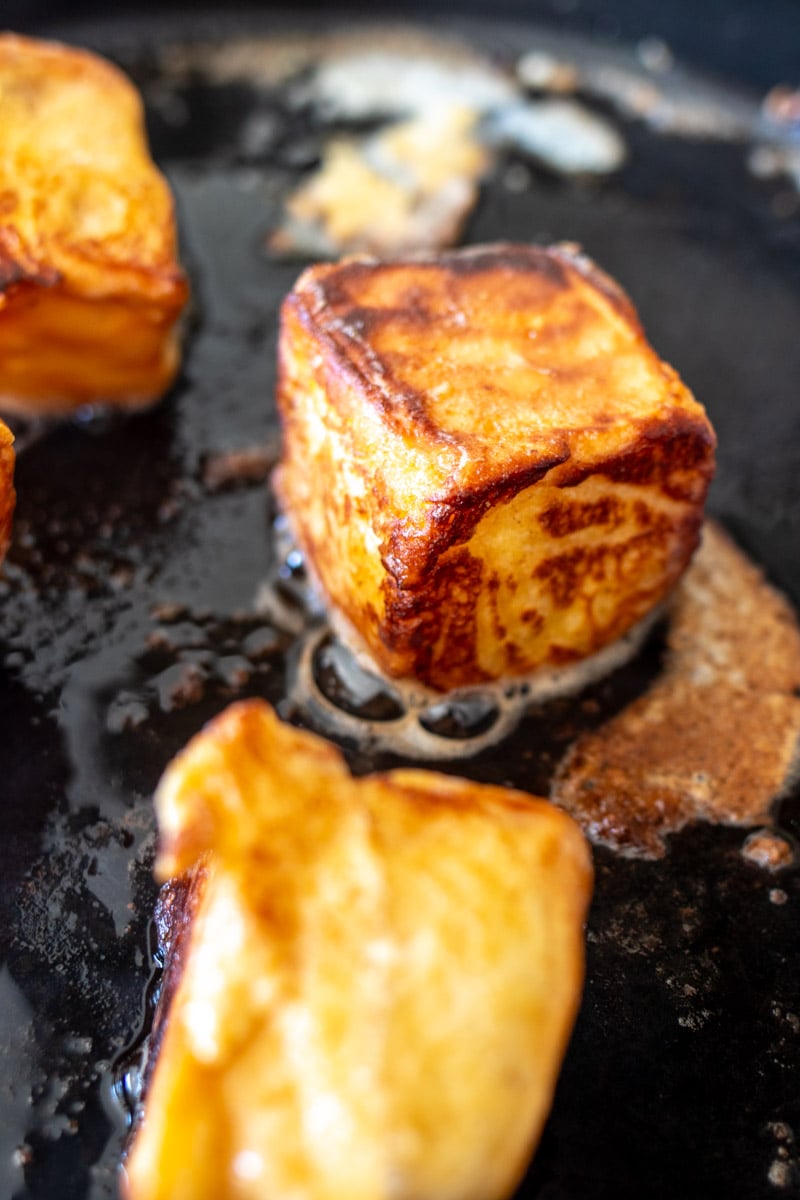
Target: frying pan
<point>127,618</point>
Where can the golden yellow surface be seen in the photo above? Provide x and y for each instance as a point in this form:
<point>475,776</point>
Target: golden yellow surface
<point>408,187</point>
<point>487,467</point>
<point>7,494</point>
<point>90,286</point>
<point>382,977</point>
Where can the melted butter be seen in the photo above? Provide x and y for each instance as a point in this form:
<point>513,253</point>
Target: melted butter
<point>715,738</point>
<point>474,718</point>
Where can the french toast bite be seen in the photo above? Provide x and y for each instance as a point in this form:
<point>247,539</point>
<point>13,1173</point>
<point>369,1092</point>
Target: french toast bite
<point>380,978</point>
<point>487,467</point>
<point>90,286</point>
<point>7,495</point>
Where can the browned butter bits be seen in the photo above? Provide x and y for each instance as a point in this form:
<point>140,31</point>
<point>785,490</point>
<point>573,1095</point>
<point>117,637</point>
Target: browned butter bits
<point>716,737</point>
<point>376,978</point>
<point>486,466</point>
<point>90,286</point>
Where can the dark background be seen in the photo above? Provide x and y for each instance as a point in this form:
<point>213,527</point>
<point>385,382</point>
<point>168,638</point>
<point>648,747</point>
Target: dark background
<point>754,41</point>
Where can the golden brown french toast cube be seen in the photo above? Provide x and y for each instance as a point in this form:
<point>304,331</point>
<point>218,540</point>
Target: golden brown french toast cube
<point>90,286</point>
<point>7,494</point>
<point>381,977</point>
<point>487,467</point>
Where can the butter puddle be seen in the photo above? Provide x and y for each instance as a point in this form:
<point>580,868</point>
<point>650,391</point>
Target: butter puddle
<point>715,738</point>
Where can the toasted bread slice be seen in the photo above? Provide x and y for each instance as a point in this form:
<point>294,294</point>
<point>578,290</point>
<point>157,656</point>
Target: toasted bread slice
<point>380,982</point>
<point>7,494</point>
<point>90,288</point>
<point>487,467</point>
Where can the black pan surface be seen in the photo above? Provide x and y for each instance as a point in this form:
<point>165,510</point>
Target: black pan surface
<point>127,619</point>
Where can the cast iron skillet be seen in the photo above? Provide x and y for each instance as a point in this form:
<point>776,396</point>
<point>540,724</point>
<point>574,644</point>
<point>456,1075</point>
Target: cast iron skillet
<point>127,619</point>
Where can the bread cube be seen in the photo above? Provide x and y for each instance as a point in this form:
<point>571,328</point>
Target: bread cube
<point>90,287</point>
<point>487,467</point>
<point>380,978</point>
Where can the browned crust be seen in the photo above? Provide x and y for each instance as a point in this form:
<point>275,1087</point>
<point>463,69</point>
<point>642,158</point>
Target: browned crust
<point>716,737</point>
<point>7,493</point>
<point>324,305</point>
<point>363,335</point>
<point>147,269</point>
<point>431,585</point>
<point>17,267</point>
<point>311,889</point>
<point>416,621</point>
<point>675,455</point>
<point>322,302</point>
<point>88,244</point>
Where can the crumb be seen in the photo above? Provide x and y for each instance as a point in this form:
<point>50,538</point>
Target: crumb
<point>765,848</point>
<point>180,685</point>
<point>168,613</point>
<point>780,1174</point>
<point>261,643</point>
<point>126,712</point>
<point>234,670</point>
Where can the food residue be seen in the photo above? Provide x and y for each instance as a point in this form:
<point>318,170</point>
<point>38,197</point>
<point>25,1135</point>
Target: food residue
<point>716,736</point>
<point>768,849</point>
<point>408,187</point>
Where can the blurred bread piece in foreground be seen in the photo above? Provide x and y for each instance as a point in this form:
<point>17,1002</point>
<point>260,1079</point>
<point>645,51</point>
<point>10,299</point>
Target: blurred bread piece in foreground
<point>381,977</point>
<point>90,286</point>
<point>487,467</point>
<point>7,494</point>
